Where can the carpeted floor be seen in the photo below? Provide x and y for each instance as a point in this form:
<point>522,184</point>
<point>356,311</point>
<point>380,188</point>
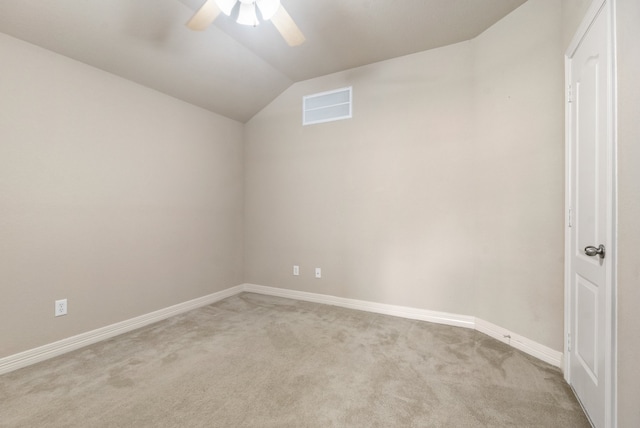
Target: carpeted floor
<point>259,361</point>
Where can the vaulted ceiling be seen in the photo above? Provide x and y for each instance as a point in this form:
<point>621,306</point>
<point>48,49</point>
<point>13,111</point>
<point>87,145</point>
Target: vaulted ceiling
<point>236,70</point>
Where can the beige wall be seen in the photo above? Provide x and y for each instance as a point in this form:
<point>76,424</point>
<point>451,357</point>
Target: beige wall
<point>436,194</point>
<point>628,63</point>
<point>573,11</point>
<point>379,202</point>
<point>114,196</point>
<point>519,173</point>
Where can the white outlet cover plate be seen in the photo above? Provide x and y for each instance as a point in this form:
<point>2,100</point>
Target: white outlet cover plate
<point>60,307</point>
<point>318,273</point>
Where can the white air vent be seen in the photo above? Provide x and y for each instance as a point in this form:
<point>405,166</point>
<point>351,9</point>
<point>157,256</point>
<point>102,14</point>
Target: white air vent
<point>326,106</point>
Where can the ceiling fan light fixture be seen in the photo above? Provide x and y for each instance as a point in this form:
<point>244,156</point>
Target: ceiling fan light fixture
<point>226,6</point>
<point>268,8</point>
<point>247,14</point>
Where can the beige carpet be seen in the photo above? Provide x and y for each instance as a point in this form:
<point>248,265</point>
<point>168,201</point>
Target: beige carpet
<point>258,361</point>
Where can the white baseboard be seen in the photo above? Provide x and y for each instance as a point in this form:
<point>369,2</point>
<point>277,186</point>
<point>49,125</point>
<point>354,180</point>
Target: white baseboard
<point>32,356</point>
<point>522,343</point>
<point>535,349</point>
<point>379,308</point>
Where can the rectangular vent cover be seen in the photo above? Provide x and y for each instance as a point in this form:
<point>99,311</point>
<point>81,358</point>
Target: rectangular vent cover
<point>326,106</point>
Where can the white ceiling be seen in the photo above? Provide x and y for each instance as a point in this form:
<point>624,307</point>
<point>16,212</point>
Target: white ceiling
<point>235,70</point>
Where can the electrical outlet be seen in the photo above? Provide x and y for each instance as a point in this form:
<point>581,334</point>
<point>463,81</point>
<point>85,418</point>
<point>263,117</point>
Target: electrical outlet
<point>61,307</point>
<point>318,273</point>
<point>296,270</point>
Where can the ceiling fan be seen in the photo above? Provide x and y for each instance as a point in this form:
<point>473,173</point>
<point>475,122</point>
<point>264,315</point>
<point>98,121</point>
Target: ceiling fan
<point>270,10</point>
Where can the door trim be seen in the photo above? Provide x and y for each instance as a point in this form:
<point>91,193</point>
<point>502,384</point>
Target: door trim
<point>611,285</point>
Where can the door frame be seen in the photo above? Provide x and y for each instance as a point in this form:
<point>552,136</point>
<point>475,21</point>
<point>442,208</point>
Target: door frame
<point>610,345</point>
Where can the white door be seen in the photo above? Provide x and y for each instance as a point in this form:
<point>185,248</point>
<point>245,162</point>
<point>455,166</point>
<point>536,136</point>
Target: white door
<point>590,245</point>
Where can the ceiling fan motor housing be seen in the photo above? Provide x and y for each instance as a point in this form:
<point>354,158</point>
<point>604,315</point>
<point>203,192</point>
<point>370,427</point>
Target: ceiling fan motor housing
<point>247,9</point>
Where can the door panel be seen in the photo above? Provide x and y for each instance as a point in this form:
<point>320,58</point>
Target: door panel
<point>590,188</point>
<point>586,326</point>
<point>586,89</point>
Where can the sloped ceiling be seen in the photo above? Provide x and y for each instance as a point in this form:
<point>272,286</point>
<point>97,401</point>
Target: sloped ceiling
<point>235,70</point>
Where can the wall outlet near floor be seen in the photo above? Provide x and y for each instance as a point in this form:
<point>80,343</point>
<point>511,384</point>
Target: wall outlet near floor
<point>61,307</point>
<point>296,270</point>
<point>318,273</point>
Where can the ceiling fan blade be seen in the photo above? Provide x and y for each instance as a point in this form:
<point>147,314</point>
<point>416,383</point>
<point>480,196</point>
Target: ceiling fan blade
<point>287,28</point>
<point>204,16</point>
